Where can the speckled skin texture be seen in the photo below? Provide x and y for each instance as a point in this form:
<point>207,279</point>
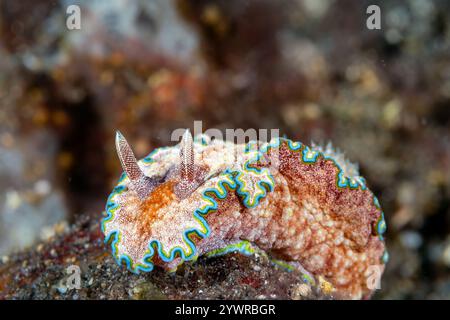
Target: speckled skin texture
<point>293,202</point>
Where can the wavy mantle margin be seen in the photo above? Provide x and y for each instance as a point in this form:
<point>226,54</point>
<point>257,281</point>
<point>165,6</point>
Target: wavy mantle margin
<point>231,180</point>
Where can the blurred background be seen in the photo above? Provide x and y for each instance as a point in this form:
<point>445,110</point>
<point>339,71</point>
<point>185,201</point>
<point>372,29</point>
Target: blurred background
<point>310,68</point>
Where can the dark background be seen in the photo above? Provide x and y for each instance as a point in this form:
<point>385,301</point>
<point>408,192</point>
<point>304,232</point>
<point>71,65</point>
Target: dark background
<point>310,68</point>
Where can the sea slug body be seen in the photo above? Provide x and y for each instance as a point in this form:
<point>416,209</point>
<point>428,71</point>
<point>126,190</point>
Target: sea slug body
<point>306,207</point>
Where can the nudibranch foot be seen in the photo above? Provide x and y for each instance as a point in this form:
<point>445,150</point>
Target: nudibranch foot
<point>247,248</point>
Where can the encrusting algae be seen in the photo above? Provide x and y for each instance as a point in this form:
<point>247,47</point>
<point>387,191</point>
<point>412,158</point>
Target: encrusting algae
<point>306,209</point>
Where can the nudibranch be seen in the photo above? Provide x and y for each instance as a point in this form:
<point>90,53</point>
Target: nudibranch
<point>307,208</point>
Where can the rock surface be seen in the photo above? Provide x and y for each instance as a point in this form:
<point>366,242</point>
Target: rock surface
<point>310,68</point>
<point>42,273</point>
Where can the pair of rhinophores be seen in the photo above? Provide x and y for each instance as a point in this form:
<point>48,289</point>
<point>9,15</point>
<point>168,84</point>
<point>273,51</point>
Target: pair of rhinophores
<point>306,208</point>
